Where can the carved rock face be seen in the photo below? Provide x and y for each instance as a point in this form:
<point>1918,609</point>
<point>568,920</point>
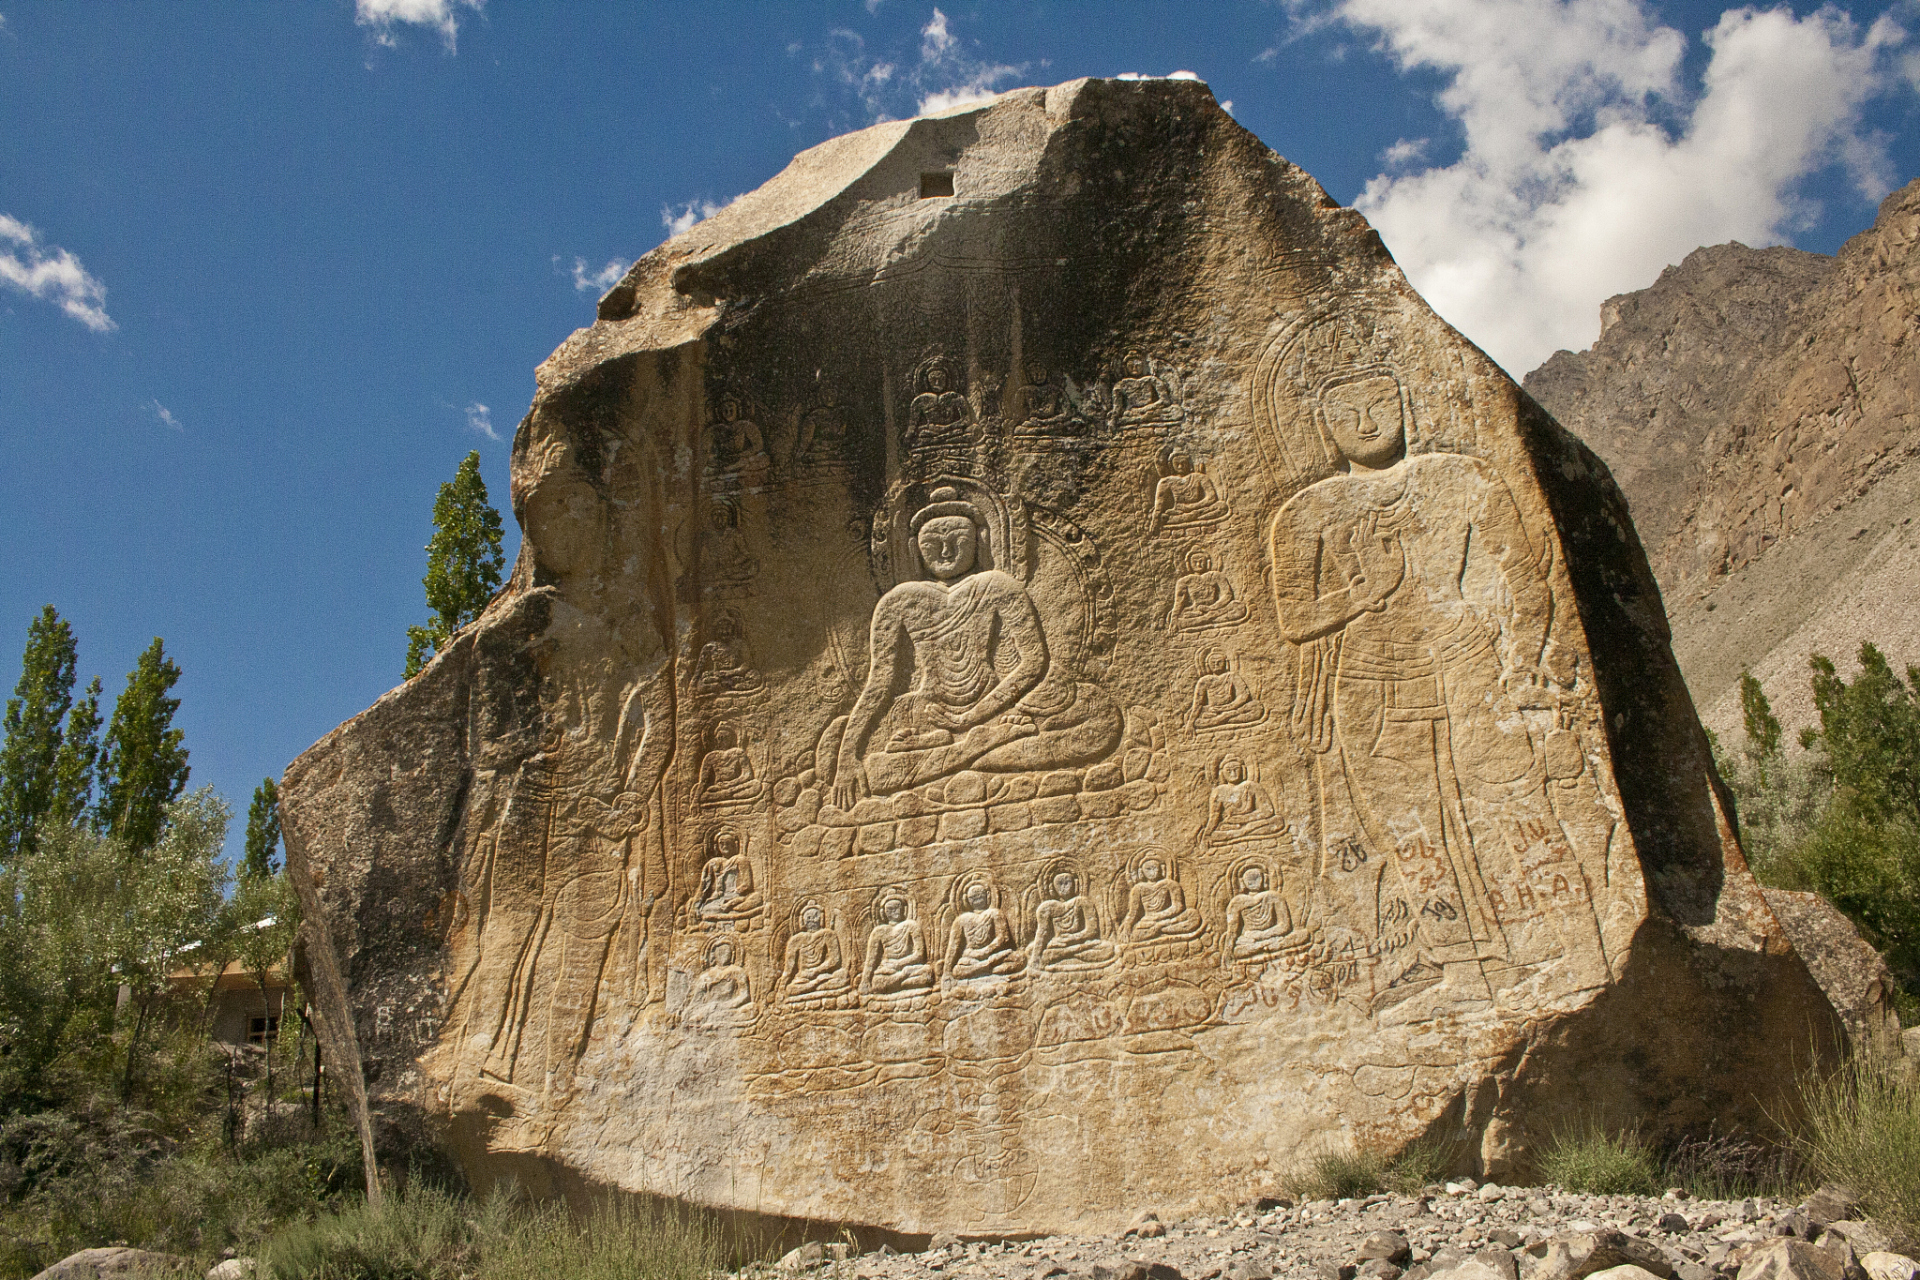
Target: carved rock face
<point>887,794</point>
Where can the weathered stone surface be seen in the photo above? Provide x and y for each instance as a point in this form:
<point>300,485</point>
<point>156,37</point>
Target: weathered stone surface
<point>1023,704</point>
<point>1854,976</point>
<point>116,1262</point>
<point>1886,1265</point>
<point>1791,1259</point>
<point>1581,1254</point>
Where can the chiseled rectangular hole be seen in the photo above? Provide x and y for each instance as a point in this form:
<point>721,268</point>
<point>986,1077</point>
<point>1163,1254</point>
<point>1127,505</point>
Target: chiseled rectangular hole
<point>936,184</point>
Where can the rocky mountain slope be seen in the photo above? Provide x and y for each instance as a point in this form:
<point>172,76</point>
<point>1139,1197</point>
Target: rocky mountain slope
<point>1758,409</point>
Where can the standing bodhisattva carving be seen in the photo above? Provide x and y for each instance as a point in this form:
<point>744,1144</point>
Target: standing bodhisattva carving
<point>1411,693</point>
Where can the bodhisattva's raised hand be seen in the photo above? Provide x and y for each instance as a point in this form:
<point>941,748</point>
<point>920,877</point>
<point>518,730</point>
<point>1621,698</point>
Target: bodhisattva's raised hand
<point>1383,566</point>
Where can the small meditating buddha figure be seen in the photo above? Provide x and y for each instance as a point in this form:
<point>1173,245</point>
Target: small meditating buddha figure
<point>823,433</point>
<point>726,772</point>
<point>726,566</point>
<point>1157,908</point>
<point>1066,934</point>
<point>738,447</point>
<point>814,965</point>
<point>1239,808</point>
<point>940,418</point>
<point>981,943</point>
<point>1222,698</point>
<point>727,896</point>
<point>896,952</point>
<point>725,665</point>
<point>1041,410</point>
<point>721,995</point>
<point>1143,397</point>
<point>1204,598</point>
<point>1185,496</point>
<point>1259,924</point>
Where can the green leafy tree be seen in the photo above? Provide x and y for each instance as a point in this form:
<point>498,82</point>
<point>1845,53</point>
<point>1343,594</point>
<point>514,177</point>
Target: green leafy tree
<point>143,766</point>
<point>464,561</point>
<point>29,757</point>
<point>1871,732</point>
<point>264,912</point>
<point>260,859</point>
<point>78,757</point>
<point>1843,818</point>
<point>1762,726</point>
<point>1780,798</point>
<point>84,918</point>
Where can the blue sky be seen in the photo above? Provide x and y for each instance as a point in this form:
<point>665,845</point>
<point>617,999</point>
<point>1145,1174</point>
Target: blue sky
<point>268,272</point>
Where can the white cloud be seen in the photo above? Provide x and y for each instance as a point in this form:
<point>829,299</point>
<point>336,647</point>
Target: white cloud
<point>589,281</point>
<point>51,274</point>
<point>1404,152</point>
<point>1571,185</point>
<point>935,39</point>
<point>442,16</point>
<point>480,418</point>
<point>948,76</point>
<point>165,416</point>
<point>677,218</point>
<point>945,73</point>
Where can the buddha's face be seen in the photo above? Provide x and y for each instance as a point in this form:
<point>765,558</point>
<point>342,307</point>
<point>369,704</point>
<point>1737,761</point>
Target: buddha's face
<point>895,910</point>
<point>977,897</point>
<point>1180,464</point>
<point>1063,886</point>
<point>723,738</point>
<point>1216,665</point>
<point>729,410</point>
<point>1150,871</point>
<point>726,844</point>
<point>937,380</point>
<point>947,546</point>
<point>1253,879</point>
<point>1199,562</point>
<point>1366,420</point>
<point>1136,363</point>
<point>1036,376</point>
<point>811,920</point>
<point>1232,770</point>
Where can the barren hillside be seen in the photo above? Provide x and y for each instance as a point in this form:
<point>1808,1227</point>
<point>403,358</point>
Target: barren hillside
<point>1758,408</point>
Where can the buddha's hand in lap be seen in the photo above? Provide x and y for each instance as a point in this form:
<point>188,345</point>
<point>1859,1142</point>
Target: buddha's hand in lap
<point>996,733</point>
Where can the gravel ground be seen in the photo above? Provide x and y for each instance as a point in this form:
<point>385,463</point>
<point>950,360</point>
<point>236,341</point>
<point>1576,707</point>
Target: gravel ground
<point>1512,1231</point>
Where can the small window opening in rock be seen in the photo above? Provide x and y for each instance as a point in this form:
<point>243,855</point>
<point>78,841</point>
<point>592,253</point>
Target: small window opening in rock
<point>936,184</point>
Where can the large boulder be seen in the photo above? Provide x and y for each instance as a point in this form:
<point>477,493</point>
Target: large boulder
<point>1854,975</point>
<point>1040,678</point>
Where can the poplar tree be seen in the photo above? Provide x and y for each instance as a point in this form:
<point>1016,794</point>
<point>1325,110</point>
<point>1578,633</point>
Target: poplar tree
<point>75,762</point>
<point>464,561</point>
<point>263,832</point>
<point>143,766</point>
<point>30,754</point>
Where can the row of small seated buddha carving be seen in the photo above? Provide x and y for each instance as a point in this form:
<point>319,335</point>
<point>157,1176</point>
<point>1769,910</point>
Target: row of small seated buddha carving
<point>1067,937</point>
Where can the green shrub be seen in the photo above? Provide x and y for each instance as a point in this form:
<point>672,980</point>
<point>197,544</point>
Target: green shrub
<point>1588,1159</point>
<point>430,1234</point>
<point>70,1182</point>
<point>1338,1175</point>
<point>1727,1167</point>
<point>1862,1130</point>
